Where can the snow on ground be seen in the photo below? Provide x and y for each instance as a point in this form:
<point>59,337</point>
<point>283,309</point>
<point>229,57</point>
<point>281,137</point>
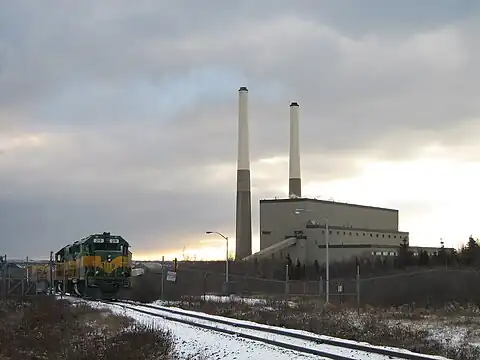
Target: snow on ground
<point>454,331</point>
<point>192,341</point>
<point>276,337</point>
<point>228,299</point>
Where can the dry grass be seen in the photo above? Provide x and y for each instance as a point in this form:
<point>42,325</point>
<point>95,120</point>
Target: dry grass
<point>372,326</point>
<point>45,328</point>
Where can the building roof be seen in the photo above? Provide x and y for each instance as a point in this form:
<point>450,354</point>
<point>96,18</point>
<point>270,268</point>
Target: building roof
<point>329,202</point>
<point>273,248</point>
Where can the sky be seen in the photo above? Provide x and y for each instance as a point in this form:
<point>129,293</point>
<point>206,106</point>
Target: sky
<point>122,117</point>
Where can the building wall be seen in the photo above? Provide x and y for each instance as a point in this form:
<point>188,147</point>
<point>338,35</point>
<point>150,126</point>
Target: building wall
<point>344,244</point>
<point>335,254</point>
<point>277,219</point>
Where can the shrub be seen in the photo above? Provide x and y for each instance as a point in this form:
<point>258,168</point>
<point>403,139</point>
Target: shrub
<point>45,328</point>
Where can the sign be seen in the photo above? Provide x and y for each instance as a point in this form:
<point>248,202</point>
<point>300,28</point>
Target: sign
<point>340,288</point>
<point>172,276</point>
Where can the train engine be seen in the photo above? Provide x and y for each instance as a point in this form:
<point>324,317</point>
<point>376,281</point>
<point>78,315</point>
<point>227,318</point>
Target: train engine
<point>98,266</point>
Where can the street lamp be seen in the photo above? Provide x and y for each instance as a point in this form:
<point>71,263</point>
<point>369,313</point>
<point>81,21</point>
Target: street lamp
<point>327,260</point>
<point>226,258</point>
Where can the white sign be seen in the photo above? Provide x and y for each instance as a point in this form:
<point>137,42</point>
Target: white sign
<point>98,241</point>
<point>114,241</point>
<point>171,276</point>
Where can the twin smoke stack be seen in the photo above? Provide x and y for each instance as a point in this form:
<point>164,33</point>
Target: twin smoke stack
<point>244,196</point>
<point>294,179</point>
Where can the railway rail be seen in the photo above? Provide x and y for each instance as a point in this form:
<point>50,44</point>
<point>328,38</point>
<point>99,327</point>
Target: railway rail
<point>324,347</point>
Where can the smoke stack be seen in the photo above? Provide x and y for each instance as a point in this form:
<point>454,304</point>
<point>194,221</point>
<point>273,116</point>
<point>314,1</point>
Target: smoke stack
<point>244,197</point>
<point>294,181</point>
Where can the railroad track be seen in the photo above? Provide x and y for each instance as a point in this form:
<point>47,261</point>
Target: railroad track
<point>322,346</point>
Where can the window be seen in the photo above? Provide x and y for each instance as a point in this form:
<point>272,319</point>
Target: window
<point>338,232</point>
<point>371,235</point>
<point>383,235</point>
<point>363,234</point>
<point>350,233</point>
<point>330,232</point>
<point>344,233</point>
<point>357,234</point>
<point>389,236</point>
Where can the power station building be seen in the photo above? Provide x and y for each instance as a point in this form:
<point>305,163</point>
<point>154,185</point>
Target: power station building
<point>297,226</point>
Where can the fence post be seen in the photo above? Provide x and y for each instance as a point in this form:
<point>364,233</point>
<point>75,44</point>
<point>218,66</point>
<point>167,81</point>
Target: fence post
<point>52,287</point>
<point>320,286</point>
<point>287,279</point>
<point>358,289</point>
<point>162,283</point>
<point>4,273</point>
<point>204,286</point>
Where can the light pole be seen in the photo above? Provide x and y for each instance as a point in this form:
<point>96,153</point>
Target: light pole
<point>226,253</point>
<point>327,260</point>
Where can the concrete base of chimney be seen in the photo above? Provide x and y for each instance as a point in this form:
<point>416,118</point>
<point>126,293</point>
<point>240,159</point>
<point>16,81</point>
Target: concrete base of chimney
<point>295,187</point>
<point>244,216</point>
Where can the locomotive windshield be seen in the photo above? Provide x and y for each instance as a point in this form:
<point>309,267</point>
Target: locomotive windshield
<point>107,245</point>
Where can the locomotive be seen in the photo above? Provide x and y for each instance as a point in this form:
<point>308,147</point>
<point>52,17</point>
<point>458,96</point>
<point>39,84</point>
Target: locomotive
<point>98,266</point>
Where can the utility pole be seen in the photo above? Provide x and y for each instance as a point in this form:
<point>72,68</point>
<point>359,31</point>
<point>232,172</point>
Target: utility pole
<point>163,278</point>
<point>358,289</point>
<point>5,271</point>
<point>327,261</point>
<point>226,254</point>
<point>51,274</point>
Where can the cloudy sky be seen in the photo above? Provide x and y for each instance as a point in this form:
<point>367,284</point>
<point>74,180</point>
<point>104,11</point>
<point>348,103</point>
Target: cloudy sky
<point>121,116</point>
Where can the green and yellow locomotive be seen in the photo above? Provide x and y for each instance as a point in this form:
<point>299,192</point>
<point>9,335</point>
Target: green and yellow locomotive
<point>98,266</point>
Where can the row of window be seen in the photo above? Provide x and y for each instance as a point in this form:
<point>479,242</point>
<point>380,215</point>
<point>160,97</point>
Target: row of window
<point>394,253</point>
<point>363,234</point>
<point>384,253</point>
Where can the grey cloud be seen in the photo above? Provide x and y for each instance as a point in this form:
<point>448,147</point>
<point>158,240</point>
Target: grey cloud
<point>371,80</point>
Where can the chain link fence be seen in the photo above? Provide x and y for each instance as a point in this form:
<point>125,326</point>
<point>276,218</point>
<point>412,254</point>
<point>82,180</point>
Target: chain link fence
<point>426,287</point>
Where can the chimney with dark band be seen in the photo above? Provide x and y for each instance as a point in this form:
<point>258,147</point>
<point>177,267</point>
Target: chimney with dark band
<point>294,181</point>
<point>244,198</point>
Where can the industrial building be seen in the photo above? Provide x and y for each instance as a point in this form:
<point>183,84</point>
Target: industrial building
<point>297,226</point>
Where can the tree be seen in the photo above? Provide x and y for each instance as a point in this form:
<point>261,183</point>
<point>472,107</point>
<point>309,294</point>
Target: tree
<point>442,257</point>
<point>423,258</point>
<point>472,252</point>
<point>316,266</point>
<point>404,254</point>
<point>298,270</point>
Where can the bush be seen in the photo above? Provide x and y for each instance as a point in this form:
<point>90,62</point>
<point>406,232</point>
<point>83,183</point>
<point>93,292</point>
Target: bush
<point>371,327</point>
<point>45,328</point>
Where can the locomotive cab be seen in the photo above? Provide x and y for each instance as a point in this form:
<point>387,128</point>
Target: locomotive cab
<point>97,266</point>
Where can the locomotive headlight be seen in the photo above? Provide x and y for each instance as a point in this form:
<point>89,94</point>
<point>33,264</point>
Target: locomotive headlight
<point>109,258</point>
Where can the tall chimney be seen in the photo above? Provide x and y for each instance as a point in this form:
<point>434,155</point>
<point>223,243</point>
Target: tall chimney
<point>244,197</point>
<point>294,181</point>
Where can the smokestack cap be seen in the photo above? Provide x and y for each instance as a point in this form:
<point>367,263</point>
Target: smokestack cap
<point>243,88</point>
<point>294,104</point>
